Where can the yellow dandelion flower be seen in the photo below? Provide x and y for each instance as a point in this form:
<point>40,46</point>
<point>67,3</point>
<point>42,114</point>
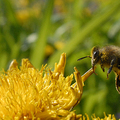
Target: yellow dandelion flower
<point>59,45</point>
<point>49,50</point>
<point>29,94</point>
<point>22,15</point>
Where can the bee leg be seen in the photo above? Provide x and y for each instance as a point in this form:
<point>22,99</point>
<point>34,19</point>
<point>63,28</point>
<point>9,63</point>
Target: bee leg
<point>111,66</point>
<point>94,70</point>
<point>101,65</point>
<point>109,70</point>
<point>102,68</point>
<point>118,83</point>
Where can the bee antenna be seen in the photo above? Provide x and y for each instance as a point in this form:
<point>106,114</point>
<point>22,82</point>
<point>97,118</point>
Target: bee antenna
<point>84,57</point>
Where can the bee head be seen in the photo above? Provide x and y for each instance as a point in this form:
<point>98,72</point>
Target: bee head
<point>95,56</point>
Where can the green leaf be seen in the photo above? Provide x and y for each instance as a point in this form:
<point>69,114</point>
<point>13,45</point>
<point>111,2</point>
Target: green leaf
<point>37,55</point>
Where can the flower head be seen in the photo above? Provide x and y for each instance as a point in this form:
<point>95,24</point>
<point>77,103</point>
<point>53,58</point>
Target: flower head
<point>27,93</point>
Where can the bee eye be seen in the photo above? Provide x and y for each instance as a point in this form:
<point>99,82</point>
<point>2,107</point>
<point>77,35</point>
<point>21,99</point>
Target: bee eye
<point>96,53</point>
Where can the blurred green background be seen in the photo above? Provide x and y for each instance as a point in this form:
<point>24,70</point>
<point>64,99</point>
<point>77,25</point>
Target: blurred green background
<point>43,29</point>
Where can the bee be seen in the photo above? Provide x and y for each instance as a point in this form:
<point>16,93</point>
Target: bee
<point>107,57</point>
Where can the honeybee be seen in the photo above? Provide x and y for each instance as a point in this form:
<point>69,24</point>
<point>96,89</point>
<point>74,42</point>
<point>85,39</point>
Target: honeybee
<point>109,57</point>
